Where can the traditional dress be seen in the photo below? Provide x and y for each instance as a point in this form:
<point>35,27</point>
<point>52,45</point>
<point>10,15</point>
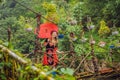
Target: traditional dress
<point>50,56</point>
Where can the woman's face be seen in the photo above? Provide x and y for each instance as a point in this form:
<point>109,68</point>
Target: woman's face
<point>54,34</point>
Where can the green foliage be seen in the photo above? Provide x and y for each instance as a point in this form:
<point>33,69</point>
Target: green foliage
<point>103,28</point>
<point>67,71</point>
<point>22,23</point>
<point>79,11</point>
<point>22,72</point>
<point>2,76</point>
<point>51,12</point>
<point>111,12</point>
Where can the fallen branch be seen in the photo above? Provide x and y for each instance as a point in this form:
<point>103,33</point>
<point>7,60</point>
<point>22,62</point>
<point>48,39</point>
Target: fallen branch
<point>108,71</point>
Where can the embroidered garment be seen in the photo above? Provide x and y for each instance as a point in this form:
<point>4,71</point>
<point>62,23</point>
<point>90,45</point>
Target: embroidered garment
<point>50,56</point>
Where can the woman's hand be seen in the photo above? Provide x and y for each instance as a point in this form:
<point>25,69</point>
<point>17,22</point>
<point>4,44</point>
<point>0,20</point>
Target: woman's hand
<point>60,52</point>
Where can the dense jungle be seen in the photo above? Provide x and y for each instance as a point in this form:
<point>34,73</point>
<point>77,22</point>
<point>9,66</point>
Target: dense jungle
<point>88,39</point>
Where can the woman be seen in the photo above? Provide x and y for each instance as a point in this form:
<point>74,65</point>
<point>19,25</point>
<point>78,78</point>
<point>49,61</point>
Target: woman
<point>50,56</point>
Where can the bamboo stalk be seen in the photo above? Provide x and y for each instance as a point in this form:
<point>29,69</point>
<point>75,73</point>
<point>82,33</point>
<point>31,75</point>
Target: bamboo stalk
<point>21,60</point>
<point>12,54</point>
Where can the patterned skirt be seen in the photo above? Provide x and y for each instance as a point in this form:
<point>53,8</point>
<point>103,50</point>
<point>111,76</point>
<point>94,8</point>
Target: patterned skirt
<point>50,58</point>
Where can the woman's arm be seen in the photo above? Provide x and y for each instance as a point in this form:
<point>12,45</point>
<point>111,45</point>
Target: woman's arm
<point>60,52</point>
<point>46,42</point>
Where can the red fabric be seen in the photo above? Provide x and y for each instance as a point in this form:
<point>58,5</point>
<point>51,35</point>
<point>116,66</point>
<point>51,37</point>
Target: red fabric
<point>46,29</point>
<point>55,58</point>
